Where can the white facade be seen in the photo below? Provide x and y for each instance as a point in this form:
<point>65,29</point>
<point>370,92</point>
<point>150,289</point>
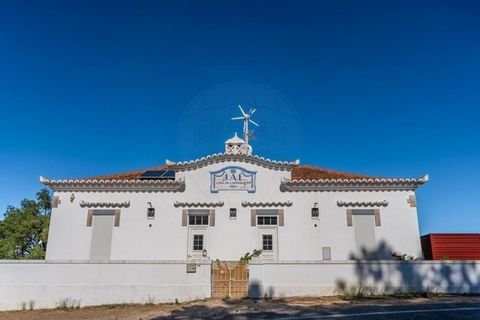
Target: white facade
<point>388,215</point>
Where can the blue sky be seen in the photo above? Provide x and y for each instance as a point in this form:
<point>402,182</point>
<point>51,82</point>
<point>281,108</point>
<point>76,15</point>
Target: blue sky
<point>382,88</point>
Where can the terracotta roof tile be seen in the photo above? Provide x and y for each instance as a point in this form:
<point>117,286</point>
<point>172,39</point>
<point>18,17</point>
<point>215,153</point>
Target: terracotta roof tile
<point>298,173</point>
<point>130,175</point>
<point>317,173</point>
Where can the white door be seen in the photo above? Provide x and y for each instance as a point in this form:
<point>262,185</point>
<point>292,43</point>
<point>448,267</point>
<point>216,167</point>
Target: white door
<point>101,237</point>
<point>364,229</point>
<point>197,242</point>
<point>268,243</point>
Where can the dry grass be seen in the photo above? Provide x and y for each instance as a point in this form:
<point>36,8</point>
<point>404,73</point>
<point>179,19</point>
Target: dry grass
<point>218,308</point>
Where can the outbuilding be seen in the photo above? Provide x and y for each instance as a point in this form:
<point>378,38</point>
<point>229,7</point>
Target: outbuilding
<point>451,246</point>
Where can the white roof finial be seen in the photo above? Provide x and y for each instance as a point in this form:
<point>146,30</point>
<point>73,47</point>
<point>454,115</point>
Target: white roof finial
<point>235,140</point>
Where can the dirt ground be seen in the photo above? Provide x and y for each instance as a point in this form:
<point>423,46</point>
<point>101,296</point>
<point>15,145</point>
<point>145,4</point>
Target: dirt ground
<point>219,309</point>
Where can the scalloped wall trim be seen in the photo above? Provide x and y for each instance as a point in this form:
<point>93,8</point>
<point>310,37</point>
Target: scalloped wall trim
<point>101,181</point>
<point>372,181</point>
<point>267,204</point>
<point>198,204</point>
<point>352,184</point>
<point>115,185</point>
<point>222,157</point>
<point>124,204</point>
<point>383,203</point>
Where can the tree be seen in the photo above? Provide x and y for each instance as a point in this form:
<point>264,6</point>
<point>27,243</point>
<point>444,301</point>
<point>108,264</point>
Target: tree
<point>24,230</point>
<point>44,201</point>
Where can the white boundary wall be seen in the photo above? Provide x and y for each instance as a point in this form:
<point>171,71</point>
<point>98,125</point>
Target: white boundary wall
<point>49,283</point>
<point>86,283</point>
<point>280,279</point>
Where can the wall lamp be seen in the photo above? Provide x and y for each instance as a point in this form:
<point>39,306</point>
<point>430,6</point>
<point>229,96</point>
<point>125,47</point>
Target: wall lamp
<point>150,211</point>
<point>315,211</point>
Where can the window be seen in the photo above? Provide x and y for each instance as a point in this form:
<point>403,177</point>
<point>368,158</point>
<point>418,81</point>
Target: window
<point>267,242</point>
<point>314,213</point>
<point>198,220</point>
<point>233,213</point>
<point>267,220</point>
<point>198,242</point>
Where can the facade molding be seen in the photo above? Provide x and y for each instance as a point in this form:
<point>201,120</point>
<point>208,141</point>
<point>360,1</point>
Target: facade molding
<point>341,203</point>
<point>178,204</point>
<point>115,185</point>
<point>223,157</point>
<point>267,204</point>
<point>289,185</point>
<point>124,204</point>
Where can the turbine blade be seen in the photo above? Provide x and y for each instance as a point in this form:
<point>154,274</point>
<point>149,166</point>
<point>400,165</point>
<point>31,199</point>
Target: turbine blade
<point>254,123</point>
<point>237,118</point>
<point>253,111</point>
<point>243,112</point>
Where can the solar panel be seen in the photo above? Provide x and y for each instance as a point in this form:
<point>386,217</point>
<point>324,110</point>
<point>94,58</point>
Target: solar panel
<point>169,174</point>
<point>158,175</point>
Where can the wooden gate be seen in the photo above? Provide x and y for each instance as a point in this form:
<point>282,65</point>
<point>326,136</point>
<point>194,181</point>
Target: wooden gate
<point>229,280</point>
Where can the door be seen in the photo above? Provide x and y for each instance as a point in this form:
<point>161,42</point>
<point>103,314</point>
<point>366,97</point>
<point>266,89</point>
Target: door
<point>197,242</point>
<point>101,236</point>
<point>364,227</point>
<point>268,243</point>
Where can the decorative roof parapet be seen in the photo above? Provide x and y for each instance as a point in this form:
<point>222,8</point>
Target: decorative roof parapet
<point>288,185</point>
<point>115,185</point>
<point>383,203</point>
<point>267,204</point>
<point>198,204</point>
<point>124,204</point>
<point>222,157</point>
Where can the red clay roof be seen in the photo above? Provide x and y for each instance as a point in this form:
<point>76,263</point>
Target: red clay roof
<point>130,175</point>
<point>317,173</point>
<point>298,173</point>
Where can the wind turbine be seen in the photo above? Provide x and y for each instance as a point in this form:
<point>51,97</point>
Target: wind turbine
<point>246,119</point>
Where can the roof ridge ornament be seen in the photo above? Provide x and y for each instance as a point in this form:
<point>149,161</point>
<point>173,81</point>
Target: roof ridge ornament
<point>221,157</point>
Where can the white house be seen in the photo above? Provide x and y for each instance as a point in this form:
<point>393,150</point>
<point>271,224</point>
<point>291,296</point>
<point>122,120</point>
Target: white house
<point>224,205</point>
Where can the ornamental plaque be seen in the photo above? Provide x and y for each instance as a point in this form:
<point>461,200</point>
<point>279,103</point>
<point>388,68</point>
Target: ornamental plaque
<point>232,178</point>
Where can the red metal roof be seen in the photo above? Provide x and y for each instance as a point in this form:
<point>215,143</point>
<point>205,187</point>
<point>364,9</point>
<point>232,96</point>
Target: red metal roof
<point>451,246</point>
